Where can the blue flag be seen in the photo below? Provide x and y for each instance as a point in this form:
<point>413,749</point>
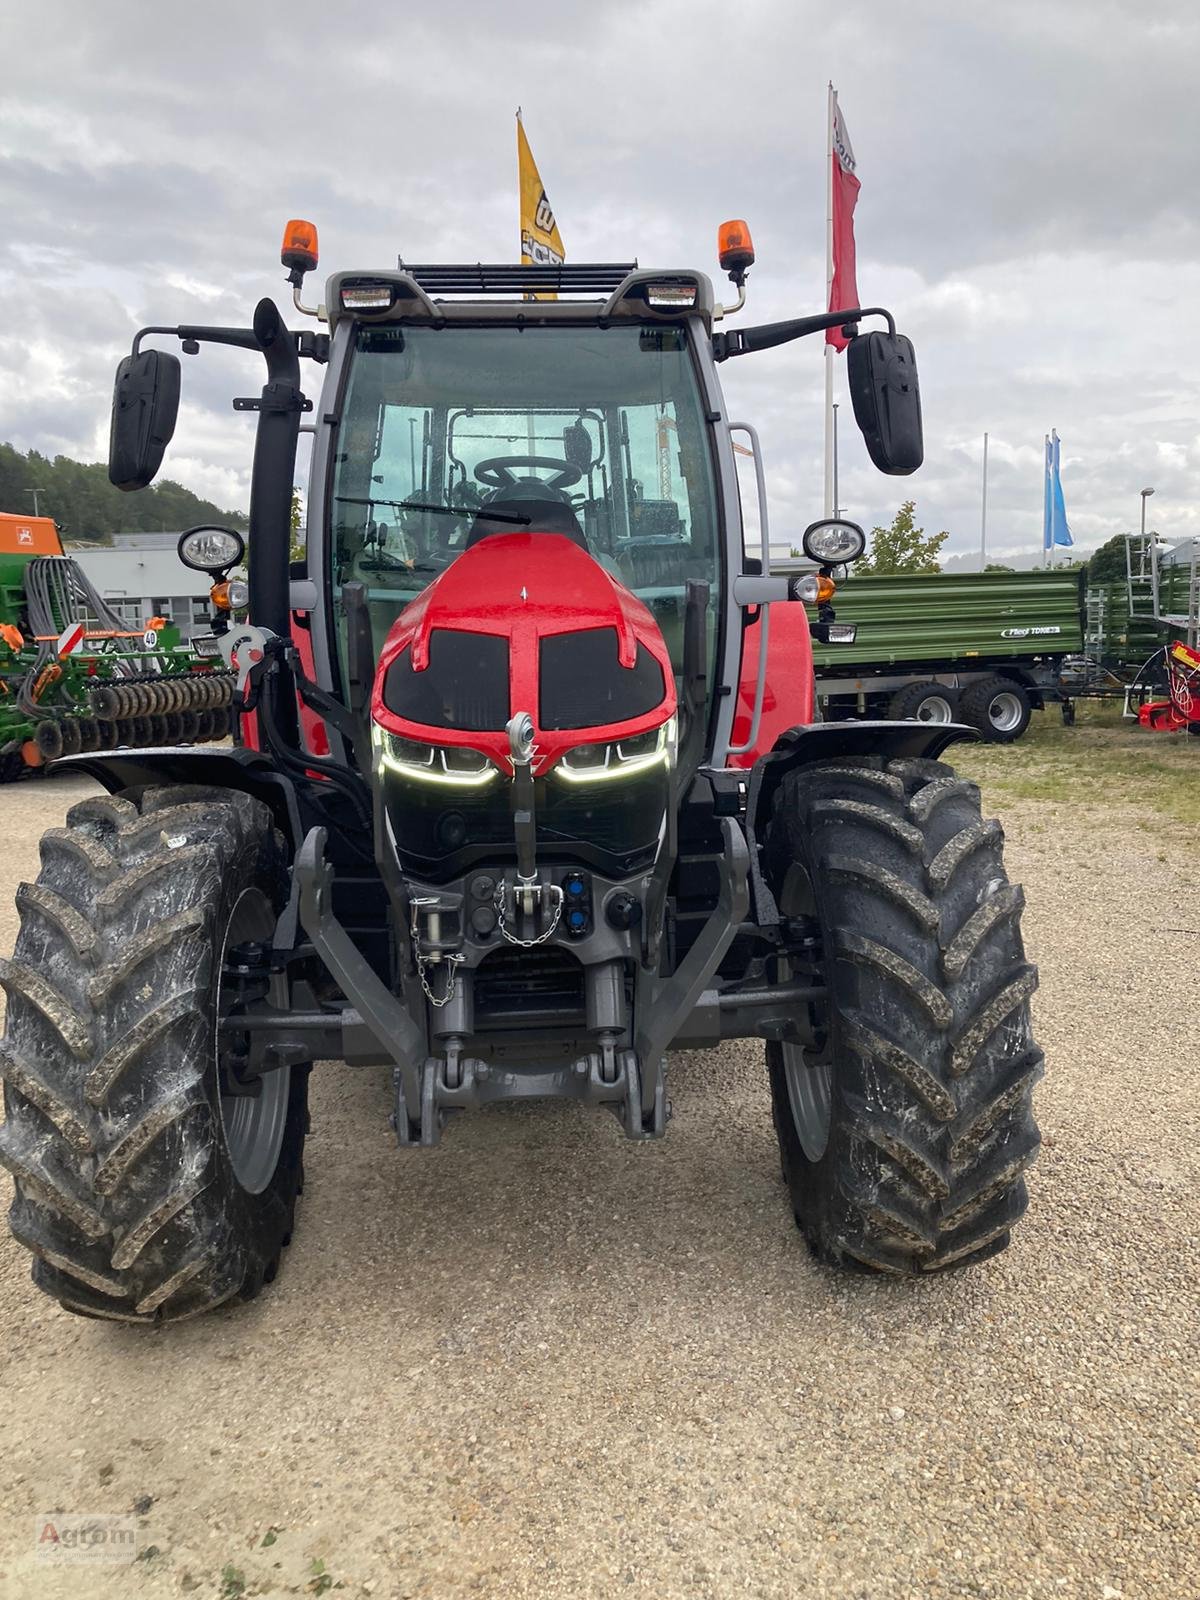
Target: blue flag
<point>1054,518</point>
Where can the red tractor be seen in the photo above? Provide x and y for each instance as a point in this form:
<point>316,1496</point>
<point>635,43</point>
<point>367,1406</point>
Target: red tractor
<point>528,791</point>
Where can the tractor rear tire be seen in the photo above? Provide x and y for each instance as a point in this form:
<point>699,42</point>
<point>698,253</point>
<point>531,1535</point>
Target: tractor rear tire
<point>999,707</point>
<point>146,1189</point>
<point>905,1129</point>
<point>924,702</point>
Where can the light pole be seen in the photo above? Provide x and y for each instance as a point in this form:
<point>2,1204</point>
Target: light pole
<point>983,512</point>
<point>1146,493</point>
<point>34,493</point>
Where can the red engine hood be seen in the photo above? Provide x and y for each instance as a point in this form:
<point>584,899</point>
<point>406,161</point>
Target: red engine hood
<point>523,587</point>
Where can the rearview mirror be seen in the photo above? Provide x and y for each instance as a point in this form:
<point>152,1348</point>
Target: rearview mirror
<point>887,402</point>
<point>145,406</point>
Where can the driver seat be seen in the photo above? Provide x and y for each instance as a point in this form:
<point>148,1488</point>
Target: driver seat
<point>545,514</point>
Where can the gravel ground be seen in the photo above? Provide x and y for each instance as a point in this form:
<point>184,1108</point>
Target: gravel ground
<point>541,1361</point>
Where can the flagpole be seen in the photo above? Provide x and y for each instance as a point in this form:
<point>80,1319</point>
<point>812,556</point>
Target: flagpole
<point>828,291</point>
<point>521,256</point>
<point>983,511</point>
<point>1047,532</point>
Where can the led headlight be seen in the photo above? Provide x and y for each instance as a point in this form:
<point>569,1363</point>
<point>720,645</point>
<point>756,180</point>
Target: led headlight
<point>622,758</point>
<point>453,765</point>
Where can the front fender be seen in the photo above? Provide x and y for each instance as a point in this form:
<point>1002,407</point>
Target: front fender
<point>169,765</point>
<point>834,741</point>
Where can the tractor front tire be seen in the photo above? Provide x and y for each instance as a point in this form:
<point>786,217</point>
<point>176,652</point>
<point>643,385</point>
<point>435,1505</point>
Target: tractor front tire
<point>906,1127</point>
<point>150,1185</point>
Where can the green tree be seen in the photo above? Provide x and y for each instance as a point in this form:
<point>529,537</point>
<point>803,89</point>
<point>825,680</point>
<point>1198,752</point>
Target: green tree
<point>297,549</point>
<point>997,566</point>
<point>903,547</point>
<point>1107,565</point>
<point>88,509</point>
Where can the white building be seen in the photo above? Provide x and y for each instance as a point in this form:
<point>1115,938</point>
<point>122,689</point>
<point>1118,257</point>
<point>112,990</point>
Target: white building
<point>140,575</point>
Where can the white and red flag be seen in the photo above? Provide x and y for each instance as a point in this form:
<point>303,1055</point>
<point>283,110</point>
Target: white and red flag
<point>844,187</point>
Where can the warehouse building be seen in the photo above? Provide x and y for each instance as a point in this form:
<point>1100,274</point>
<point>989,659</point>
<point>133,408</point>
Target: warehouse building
<point>140,575</point>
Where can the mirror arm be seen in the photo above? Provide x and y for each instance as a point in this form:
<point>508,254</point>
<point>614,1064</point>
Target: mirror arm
<point>244,338</point>
<point>741,341</point>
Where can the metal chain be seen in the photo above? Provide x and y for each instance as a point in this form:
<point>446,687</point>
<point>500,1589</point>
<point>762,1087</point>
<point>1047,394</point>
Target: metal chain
<point>527,944</point>
<point>423,963</point>
<point>452,962</point>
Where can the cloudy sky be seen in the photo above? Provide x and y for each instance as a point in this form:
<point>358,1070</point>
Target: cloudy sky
<point>1029,209</point>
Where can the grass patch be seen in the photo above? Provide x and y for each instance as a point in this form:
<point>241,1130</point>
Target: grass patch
<point>1102,760</point>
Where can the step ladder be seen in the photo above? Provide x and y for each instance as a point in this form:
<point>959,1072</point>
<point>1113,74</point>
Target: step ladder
<point>1095,623</point>
<point>1141,575</point>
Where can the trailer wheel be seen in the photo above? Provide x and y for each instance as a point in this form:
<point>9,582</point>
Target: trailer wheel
<point>923,702</point>
<point>150,1184</point>
<point>905,1125</point>
<point>999,707</point>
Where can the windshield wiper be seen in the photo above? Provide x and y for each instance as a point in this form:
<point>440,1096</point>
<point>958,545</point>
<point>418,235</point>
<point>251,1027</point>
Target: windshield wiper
<point>445,511</point>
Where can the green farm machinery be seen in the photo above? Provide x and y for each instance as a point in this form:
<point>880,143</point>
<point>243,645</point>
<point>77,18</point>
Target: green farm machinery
<point>74,677</point>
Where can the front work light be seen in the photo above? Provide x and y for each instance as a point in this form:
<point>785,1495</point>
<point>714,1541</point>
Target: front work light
<point>211,549</point>
<point>669,295</point>
<point>367,296</point>
<point>833,542</point>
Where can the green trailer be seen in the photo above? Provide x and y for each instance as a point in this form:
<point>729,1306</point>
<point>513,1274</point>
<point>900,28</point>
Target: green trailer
<point>985,648</point>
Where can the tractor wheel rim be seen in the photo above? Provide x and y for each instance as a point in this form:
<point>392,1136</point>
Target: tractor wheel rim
<point>810,1096</point>
<point>935,709</point>
<point>1004,711</point>
<point>254,1127</point>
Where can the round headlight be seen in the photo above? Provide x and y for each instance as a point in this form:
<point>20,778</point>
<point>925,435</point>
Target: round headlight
<point>834,542</point>
<point>211,549</point>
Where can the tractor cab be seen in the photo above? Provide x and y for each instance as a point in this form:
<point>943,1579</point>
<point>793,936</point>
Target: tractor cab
<point>452,432</point>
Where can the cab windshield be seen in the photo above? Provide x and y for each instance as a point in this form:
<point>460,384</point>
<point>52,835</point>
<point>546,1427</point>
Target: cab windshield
<point>449,435</point>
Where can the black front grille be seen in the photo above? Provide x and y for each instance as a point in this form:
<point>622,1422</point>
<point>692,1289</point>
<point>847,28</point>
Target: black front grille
<point>465,685</point>
<point>528,988</point>
<point>582,684</point>
<point>612,826</point>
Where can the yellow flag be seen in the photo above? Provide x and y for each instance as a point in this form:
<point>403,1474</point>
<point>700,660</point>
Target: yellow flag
<point>541,242</point>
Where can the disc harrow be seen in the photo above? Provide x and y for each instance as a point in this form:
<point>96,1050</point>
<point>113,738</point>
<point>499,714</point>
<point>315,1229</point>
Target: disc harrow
<point>141,710</point>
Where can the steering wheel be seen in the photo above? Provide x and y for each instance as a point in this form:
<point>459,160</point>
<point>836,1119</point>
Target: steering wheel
<point>496,472</point>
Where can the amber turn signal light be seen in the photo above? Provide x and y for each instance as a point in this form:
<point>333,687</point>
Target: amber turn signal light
<point>813,588</point>
<point>299,250</point>
<point>735,248</point>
